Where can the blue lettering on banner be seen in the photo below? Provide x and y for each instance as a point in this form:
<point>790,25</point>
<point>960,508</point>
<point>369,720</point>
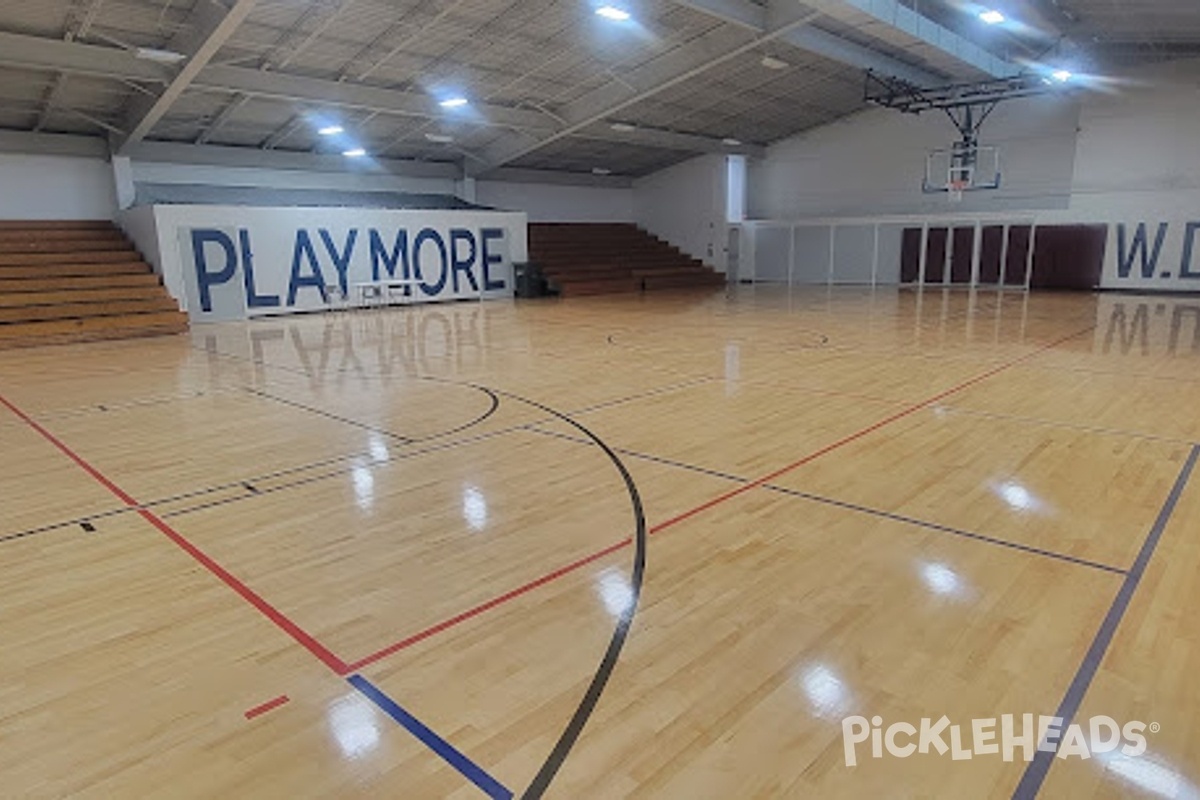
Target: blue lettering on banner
<point>341,261</point>
<point>455,262</point>
<point>463,264</point>
<point>430,235</point>
<point>390,259</point>
<point>253,298</point>
<point>1127,252</point>
<point>205,279</point>
<point>489,258</point>
<point>1189,247</point>
<point>304,249</point>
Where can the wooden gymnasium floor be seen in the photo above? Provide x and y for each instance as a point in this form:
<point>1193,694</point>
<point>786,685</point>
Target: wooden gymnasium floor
<point>892,503</point>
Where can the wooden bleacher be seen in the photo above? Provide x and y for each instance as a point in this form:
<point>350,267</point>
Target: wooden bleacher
<point>66,282</point>
<point>612,258</point>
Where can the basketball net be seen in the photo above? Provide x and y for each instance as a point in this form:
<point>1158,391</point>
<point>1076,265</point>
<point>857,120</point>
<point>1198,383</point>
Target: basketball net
<point>955,189</point>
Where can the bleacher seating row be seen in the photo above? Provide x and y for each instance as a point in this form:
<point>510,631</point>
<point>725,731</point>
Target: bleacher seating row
<point>616,258</point>
<point>78,281</point>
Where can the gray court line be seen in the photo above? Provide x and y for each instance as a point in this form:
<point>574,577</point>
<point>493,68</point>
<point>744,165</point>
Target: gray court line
<point>116,512</point>
<point>1039,767</point>
<point>920,523</point>
<point>953,409</point>
<point>979,537</point>
<point>255,479</point>
<point>129,405</point>
<point>338,472</point>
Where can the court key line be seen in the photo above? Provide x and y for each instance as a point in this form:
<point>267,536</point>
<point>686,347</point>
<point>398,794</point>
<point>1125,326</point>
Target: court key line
<point>1037,770</point>
<point>281,621</point>
<point>524,589</point>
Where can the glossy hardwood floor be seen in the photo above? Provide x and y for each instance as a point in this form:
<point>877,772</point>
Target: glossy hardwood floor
<point>382,554</point>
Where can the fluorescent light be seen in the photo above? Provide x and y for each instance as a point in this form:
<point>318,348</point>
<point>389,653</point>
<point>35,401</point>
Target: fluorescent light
<point>357,152</point>
<point>992,17</point>
<point>331,130</point>
<point>1061,75</point>
<point>771,62</point>
<point>156,54</point>
<point>601,171</point>
<point>623,127</point>
<point>440,138</point>
<point>732,142</point>
<point>613,13</point>
<point>453,102</point>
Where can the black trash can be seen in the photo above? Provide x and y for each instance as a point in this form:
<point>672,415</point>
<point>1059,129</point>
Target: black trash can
<point>530,281</point>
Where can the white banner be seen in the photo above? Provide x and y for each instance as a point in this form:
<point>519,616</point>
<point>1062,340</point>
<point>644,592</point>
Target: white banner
<point>1157,254</point>
<point>232,263</point>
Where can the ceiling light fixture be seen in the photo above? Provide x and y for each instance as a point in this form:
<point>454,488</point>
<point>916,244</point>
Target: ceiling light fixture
<point>612,13</point>
<point>732,142</point>
<point>159,55</point>
<point>356,152</point>
<point>453,102</point>
<point>601,171</point>
<point>622,127</point>
<point>331,130</point>
<point>992,17</point>
<point>440,138</point>
<point>771,62</point>
<point>1062,75</point>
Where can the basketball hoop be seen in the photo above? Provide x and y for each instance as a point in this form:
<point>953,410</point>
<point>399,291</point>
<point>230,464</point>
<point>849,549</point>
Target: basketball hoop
<point>955,189</point>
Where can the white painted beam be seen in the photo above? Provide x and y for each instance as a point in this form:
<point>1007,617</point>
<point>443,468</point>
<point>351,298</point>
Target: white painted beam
<point>210,27</point>
<point>757,19</point>
<point>677,66</point>
<point>56,55</point>
<point>29,52</point>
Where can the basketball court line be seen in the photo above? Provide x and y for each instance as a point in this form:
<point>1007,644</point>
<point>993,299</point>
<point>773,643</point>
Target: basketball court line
<point>601,676</point>
<point>1050,423</point>
<point>495,404</point>
<point>266,707</point>
<point>12,537</point>
<point>280,620</point>
<point>519,591</point>
<point>147,401</point>
<point>451,755</point>
<point>920,523</point>
<point>1135,376</point>
<point>1037,770</point>
<point>256,479</point>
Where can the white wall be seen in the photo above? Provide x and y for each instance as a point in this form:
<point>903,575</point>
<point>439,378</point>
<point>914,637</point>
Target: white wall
<point>548,203</point>
<point>686,205</point>
<point>874,163</point>
<point>56,187</point>
<point>1137,146</point>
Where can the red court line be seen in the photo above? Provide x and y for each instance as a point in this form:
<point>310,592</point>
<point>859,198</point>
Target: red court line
<point>270,705</point>
<point>722,498</point>
<point>85,466</point>
<point>482,607</point>
<point>249,595</point>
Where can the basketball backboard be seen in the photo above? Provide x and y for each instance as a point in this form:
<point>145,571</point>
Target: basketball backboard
<point>962,169</point>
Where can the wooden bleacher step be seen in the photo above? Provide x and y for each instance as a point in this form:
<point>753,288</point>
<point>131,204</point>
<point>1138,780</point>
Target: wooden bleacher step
<point>63,282</point>
<point>613,258</point>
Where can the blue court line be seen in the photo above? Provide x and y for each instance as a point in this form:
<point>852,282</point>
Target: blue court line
<point>1035,773</point>
<point>875,512</point>
<point>490,786</point>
